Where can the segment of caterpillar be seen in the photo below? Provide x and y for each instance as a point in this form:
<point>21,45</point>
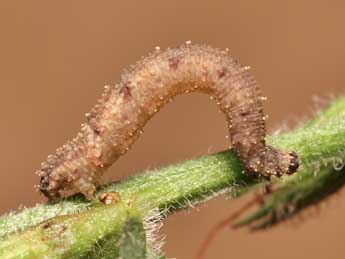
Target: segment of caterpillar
<point>117,120</point>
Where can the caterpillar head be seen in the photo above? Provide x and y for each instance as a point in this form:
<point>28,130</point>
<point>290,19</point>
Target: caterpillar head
<point>57,182</point>
<point>48,187</point>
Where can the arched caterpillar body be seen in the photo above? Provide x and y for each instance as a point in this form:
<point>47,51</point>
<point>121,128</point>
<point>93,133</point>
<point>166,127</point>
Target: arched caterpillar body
<point>117,120</point>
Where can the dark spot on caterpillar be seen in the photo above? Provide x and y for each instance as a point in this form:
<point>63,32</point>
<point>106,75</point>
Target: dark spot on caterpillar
<point>95,127</point>
<point>222,72</point>
<point>78,166</point>
<point>126,90</point>
<point>244,113</point>
<point>97,131</point>
<point>174,63</point>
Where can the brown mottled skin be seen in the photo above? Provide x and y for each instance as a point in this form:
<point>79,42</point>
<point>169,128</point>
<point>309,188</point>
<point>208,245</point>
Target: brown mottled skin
<point>117,120</point>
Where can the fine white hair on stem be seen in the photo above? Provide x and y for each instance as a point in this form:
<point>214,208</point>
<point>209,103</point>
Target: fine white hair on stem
<point>153,222</point>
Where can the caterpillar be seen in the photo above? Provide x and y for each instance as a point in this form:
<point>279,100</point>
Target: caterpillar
<point>116,121</point>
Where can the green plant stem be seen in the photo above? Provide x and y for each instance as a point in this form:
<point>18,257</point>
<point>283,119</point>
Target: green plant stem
<point>74,228</point>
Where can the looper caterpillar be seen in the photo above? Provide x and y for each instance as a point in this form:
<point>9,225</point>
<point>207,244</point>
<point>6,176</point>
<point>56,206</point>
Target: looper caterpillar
<point>117,120</point>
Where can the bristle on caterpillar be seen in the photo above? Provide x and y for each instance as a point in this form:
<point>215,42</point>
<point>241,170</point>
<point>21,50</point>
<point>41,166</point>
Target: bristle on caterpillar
<point>117,119</point>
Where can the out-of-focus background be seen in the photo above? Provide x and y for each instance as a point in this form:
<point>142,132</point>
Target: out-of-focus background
<point>55,56</point>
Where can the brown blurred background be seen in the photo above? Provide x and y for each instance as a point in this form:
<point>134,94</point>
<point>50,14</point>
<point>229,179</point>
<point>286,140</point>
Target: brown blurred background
<point>55,56</point>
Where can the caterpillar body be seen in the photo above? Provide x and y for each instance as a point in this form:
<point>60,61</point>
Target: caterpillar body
<point>117,120</point>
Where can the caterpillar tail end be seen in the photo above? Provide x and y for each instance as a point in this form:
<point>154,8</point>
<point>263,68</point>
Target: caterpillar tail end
<point>273,162</point>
